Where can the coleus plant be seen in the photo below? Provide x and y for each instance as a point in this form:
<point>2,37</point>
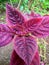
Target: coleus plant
<point>24,29</point>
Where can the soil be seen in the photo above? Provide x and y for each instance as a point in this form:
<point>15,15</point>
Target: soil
<point>5,53</point>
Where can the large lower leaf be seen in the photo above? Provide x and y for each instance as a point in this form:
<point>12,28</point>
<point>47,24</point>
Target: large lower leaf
<point>26,48</point>
<point>43,28</point>
<point>16,60</point>
<point>6,35</point>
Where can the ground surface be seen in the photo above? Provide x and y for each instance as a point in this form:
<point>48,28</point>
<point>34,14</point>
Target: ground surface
<point>6,51</point>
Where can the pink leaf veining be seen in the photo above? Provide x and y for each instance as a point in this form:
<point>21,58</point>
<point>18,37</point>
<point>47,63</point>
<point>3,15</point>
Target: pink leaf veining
<point>33,23</point>
<point>5,36</point>
<point>26,48</point>
<point>16,60</point>
<point>43,29</point>
<point>13,16</point>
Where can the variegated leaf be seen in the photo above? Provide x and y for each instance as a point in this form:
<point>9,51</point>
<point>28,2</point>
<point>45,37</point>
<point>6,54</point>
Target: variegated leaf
<point>32,24</point>
<point>6,35</point>
<point>43,28</point>
<point>26,48</point>
<point>13,16</point>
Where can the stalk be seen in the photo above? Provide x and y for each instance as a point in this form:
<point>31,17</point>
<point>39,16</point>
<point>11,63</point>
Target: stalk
<point>19,4</point>
<point>11,3</point>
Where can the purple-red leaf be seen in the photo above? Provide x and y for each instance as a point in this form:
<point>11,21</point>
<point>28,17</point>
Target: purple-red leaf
<point>17,29</point>
<point>43,28</point>
<point>36,60</point>
<point>13,16</point>
<point>32,24</point>
<point>15,59</point>
<point>5,35</point>
<point>26,48</point>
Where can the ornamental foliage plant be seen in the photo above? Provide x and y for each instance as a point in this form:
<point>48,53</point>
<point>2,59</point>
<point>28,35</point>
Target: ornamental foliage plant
<point>24,29</point>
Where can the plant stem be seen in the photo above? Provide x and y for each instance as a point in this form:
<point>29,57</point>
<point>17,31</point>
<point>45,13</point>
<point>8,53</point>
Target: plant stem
<point>19,4</point>
<point>11,3</point>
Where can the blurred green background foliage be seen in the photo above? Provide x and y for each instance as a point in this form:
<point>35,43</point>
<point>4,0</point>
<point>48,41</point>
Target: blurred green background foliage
<point>39,6</point>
